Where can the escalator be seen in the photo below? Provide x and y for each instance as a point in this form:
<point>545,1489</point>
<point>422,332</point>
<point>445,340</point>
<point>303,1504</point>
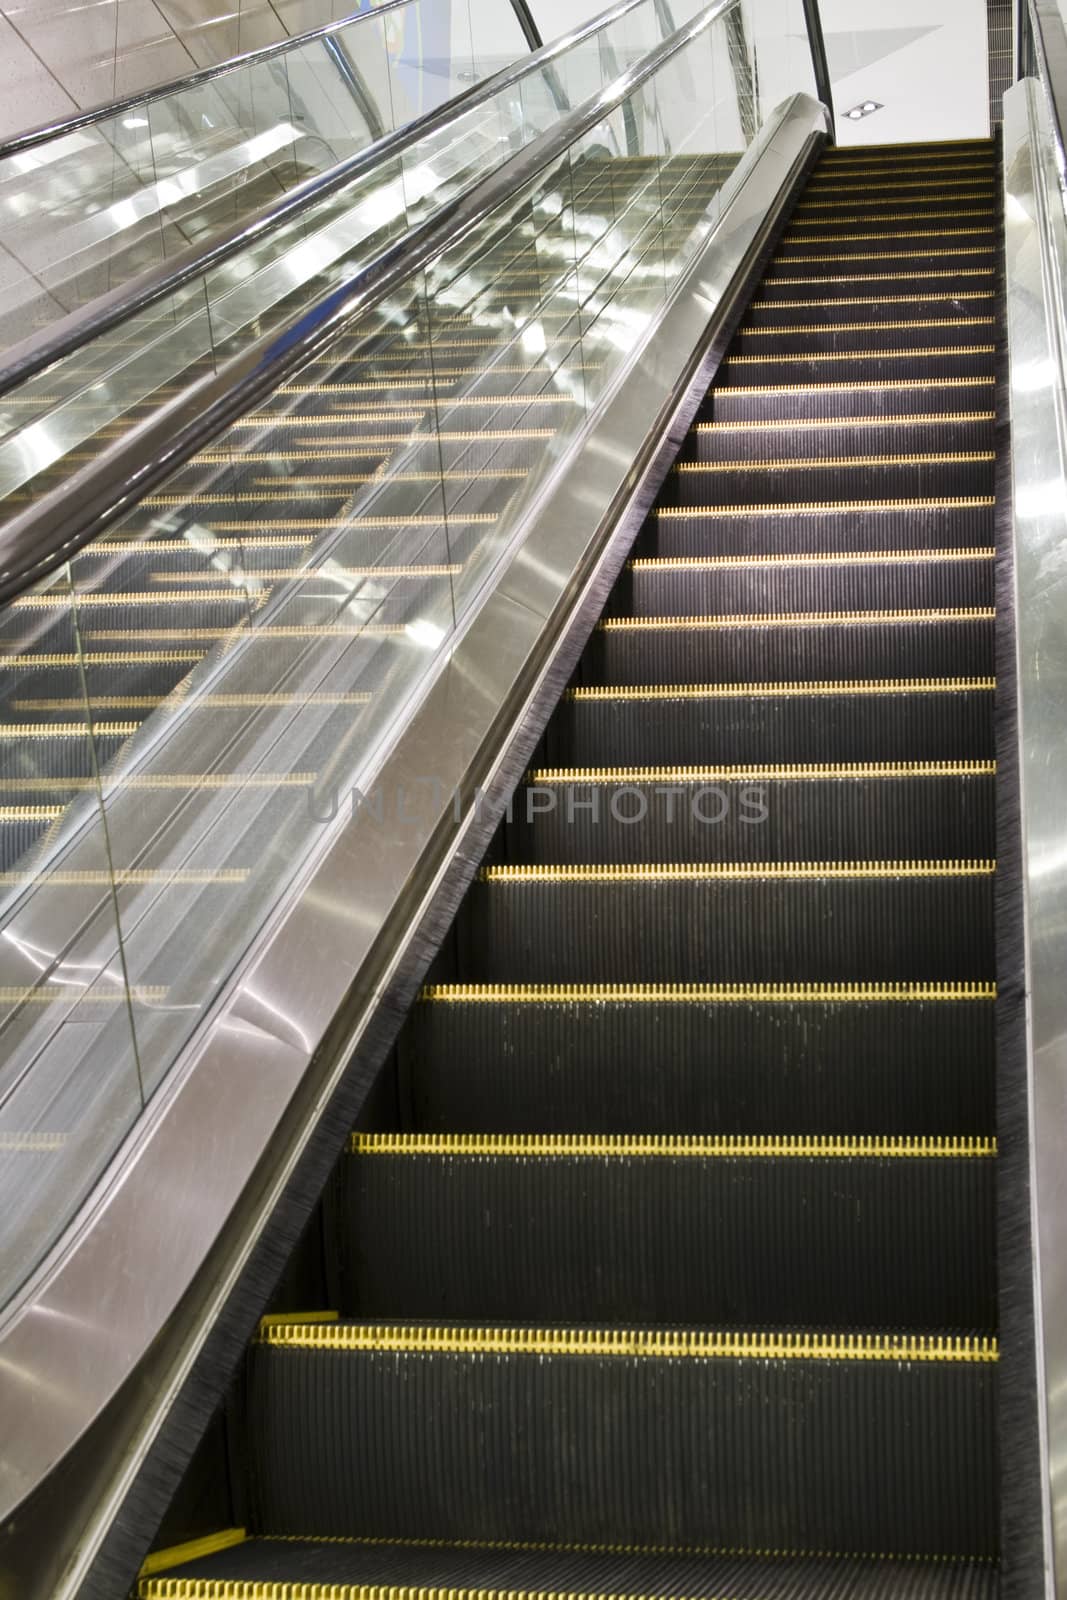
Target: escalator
<point>663,1259</point>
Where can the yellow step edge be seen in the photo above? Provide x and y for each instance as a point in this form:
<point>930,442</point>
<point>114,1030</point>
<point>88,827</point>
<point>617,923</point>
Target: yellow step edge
<point>870,300</point>
<point>659,1343</point>
<point>866,221</point>
<point>882,277</point>
<point>285,1319</point>
<point>811,464</point>
<point>201,702</point>
<point>257,1589</point>
<point>739,872</point>
<point>772,331</point>
<point>790,239</point>
<point>67,730</point>
<point>35,1143</point>
<point>810,771</point>
<point>891,255</point>
<point>794,619</point>
<point>863,355</point>
<point>103,877</point>
<point>981,381</point>
<point>160,780</point>
<point>792,691</point>
<point>51,993</point>
<point>192,1550</point>
<point>240,576</point>
<point>894,420</point>
<point>621,1549</point>
<point>670,1146</point>
<point>988,180</point>
<point>599,994</point>
<point>850,558</point>
<point>822,507</point>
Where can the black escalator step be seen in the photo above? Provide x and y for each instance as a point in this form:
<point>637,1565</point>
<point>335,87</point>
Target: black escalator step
<point>801,336</point>
<point>747,1058</point>
<point>783,284</point>
<point>630,816</point>
<point>672,726</point>
<point>22,827</point>
<point>822,581</point>
<point>726,1230</point>
<point>811,403</point>
<point>881,207</point>
<point>897,434</point>
<point>815,922</point>
<point>773,309</point>
<point>906,256</point>
<point>826,186</point>
<point>859,365</point>
<point>351,1569</point>
<point>918,475</point>
<point>618,1427</point>
<point>971,226</point>
<point>791,648</point>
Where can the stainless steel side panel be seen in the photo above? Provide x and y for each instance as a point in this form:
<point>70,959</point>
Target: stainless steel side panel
<point>1036,268</point>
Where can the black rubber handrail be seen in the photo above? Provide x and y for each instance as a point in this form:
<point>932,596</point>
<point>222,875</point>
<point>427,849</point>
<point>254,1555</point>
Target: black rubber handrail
<point>817,45</point>
<point>47,131</point>
<point>53,528</point>
<point>61,338</point>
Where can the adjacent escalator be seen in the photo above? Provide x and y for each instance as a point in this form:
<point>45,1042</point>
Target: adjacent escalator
<point>665,1262</point>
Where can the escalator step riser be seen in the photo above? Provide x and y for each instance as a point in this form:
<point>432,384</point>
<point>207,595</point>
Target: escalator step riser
<point>753,728</point>
<point>752,1066</point>
<point>669,818</point>
<point>618,1450</point>
<point>860,365</point>
<point>920,334</point>
<point>718,930</point>
<point>961,237</point>
<point>891,436</point>
<point>834,304</point>
<point>72,755</point>
<point>783,287</point>
<point>728,1241</point>
<point>858,479</point>
<point>881,208</point>
<point>849,586</point>
<point>800,532</point>
<point>417,1571</point>
<point>962,648</point>
<point>889,258</point>
<point>834,400</point>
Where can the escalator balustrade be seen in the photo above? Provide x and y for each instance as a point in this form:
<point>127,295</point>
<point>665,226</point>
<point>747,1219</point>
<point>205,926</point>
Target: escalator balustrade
<point>674,1271</point>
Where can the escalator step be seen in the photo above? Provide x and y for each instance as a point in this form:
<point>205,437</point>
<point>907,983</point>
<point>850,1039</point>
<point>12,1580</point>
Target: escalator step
<point>636,1437</point>
<point>859,363</point>
<point>744,1059</point>
<point>937,524</point>
<point>840,478</point>
<point>893,580</point>
<point>791,648</point>
<point>770,439</point>
<point>697,923</point>
<point>729,1231</point>
<point>351,1569</point>
<point>799,334</point>
<point>645,815</point>
<point>785,285</point>
<point>670,726</point>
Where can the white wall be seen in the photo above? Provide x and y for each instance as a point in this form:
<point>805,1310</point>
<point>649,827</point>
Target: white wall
<point>926,60</point>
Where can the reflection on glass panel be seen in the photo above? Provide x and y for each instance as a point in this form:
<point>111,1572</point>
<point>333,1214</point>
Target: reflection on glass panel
<point>197,699</point>
<point>69,1079</point>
